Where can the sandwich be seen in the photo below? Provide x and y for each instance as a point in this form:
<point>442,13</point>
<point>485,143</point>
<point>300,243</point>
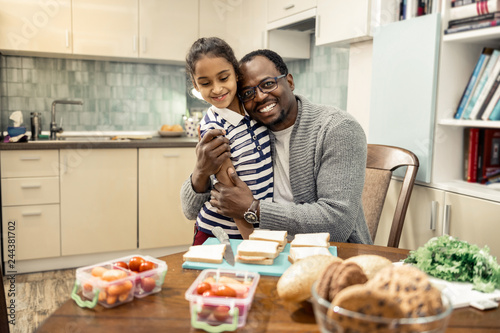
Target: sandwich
<point>300,252</point>
<point>320,239</point>
<point>278,236</point>
<point>205,253</point>
<point>257,252</point>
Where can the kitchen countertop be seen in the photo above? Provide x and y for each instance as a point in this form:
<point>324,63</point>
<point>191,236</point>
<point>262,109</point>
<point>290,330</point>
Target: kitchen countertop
<point>155,142</point>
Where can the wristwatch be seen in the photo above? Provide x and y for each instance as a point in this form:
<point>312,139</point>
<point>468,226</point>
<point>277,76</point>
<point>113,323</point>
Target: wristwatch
<point>251,214</point>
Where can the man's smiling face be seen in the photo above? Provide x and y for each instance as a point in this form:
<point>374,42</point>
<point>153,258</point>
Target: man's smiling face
<point>276,109</point>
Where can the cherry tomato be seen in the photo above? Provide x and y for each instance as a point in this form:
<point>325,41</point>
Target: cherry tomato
<point>202,287</point>
<point>121,264</point>
<point>135,263</point>
<point>148,284</point>
<point>206,310</point>
<point>221,313</point>
<point>146,266</point>
<point>225,291</point>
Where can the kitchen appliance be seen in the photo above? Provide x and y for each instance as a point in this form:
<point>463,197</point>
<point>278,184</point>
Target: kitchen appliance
<point>36,125</point>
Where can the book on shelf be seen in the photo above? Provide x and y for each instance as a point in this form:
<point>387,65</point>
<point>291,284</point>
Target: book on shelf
<point>491,105</point>
<point>458,3</point>
<point>488,85</point>
<point>473,80</point>
<point>480,85</point>
<point>474,9</point>
<point>473,19</point>
<point>480,155</point>
<point>473,26</point>
<point>484,105</point>
<point>495,113</point>
<point>413,8</point>
<point>490,154</point>
<point>472,152</point>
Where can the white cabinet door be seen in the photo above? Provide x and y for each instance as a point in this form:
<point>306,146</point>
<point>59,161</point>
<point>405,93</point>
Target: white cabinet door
<point>37,26</point>
<point>252,28</point>
<point>98,200</point>
<point>106,27</point>
<point>342,21</point>
<point>423,218</point>
<point>474,220</point>
<point>167,28</point>
<point>278,9</point>
<point>161,174</point>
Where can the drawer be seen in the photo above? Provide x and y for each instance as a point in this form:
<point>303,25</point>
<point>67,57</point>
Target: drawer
<point>30,191</point>
<point>278,9</point>
<point>30,163</point>
<point>32,231</point>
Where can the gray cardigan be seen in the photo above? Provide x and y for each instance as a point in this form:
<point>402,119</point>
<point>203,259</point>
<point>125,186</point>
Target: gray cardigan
<point>327,171</point>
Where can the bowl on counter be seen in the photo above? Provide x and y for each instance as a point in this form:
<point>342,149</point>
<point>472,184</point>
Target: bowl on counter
<point>341,320</point>
<point>171,133</point>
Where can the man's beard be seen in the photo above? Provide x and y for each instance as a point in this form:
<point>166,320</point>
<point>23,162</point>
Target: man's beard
<point>277,121</point>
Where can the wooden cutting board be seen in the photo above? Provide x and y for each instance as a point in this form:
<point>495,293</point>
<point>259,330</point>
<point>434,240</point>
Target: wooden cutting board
<point>279,266</point>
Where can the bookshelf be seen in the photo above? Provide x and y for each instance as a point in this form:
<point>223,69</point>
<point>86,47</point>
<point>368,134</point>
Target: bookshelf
<point>458,56</point>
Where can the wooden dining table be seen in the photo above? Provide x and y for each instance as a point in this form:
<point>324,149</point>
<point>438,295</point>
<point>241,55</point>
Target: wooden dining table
<point>168,310</point>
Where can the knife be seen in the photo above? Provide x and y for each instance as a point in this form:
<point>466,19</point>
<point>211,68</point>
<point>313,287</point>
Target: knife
<point>224,239</point>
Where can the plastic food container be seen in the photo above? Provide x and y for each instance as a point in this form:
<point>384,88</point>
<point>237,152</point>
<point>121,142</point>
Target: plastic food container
<point>350,321</point>
<point>222,313</point>
<point>110,285</point>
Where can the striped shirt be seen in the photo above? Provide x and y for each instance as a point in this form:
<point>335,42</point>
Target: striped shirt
<point>250,156</point>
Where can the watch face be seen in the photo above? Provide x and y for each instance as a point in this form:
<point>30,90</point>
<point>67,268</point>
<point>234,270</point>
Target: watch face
<point>250,217</point>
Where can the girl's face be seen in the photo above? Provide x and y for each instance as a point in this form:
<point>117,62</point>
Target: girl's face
<point>215,79</point>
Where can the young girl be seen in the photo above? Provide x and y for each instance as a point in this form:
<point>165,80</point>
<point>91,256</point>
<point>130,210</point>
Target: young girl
<point>214,72</point>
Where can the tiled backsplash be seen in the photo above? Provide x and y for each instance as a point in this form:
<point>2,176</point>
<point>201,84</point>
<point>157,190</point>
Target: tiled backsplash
<point>121,96</point>
<point>117,96</point>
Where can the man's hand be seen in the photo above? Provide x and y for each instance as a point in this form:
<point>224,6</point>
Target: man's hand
<point>212,150</point>
<point>232,201</point>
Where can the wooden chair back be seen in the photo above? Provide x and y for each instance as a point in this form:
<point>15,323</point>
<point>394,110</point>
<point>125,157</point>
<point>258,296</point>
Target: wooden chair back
<point>380,163</point>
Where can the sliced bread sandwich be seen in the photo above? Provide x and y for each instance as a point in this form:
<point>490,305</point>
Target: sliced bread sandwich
<point>257,252</point>
<point>300,252</point>
<point>321,239</point>
<point>205,253</point>
<point>278,236</point>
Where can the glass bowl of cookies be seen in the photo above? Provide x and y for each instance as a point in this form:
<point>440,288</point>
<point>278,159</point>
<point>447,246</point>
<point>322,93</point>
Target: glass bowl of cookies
<point>396,299</point>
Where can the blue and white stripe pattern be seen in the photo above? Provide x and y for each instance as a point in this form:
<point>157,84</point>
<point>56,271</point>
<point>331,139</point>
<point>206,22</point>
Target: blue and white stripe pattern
<point>251,158</point>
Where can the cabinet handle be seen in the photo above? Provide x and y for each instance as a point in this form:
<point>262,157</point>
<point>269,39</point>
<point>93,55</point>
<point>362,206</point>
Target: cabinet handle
<point>37,213</point>
<point>446,220</point>
<point>29,158</point>
<point>30,186</point>
<point>433,215</point>
<point>67,38</point>
<point>170,155</point>
<point>289,6</point>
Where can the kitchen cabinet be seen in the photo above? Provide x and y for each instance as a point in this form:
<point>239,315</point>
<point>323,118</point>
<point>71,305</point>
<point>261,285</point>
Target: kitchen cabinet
<point>106,28</point>
<point>161,174</point>
<point>279,9</point>
<point>167,28</point>
<point>37,26</point>
<point>433,212</point>
<point>98,200</point>
<point>30,204</point>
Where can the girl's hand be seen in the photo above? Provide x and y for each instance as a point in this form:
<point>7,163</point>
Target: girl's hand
<point>211,151</point>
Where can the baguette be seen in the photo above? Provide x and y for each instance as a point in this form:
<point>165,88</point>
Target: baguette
<point>321,239</point>
<point>205,253</point>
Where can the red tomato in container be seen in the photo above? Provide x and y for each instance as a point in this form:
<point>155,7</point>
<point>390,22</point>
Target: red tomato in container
<point>121,264</point>
<point>135,263</point>
<point>221,313</point>
<point>148,284</point>
<point>146,266</point>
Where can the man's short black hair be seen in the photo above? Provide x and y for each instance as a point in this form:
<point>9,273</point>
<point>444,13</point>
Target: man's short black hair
<point>271,55</point>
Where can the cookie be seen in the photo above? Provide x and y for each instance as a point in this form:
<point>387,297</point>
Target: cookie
<point>347,274</point>
<point>325,278</point>
<point>410,288</point>
<point>361,299</point>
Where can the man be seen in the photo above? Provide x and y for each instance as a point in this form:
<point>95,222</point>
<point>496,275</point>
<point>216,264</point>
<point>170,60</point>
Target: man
<point>319,160</point>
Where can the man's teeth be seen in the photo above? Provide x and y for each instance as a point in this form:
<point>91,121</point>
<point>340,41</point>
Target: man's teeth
<point>267,108</point>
